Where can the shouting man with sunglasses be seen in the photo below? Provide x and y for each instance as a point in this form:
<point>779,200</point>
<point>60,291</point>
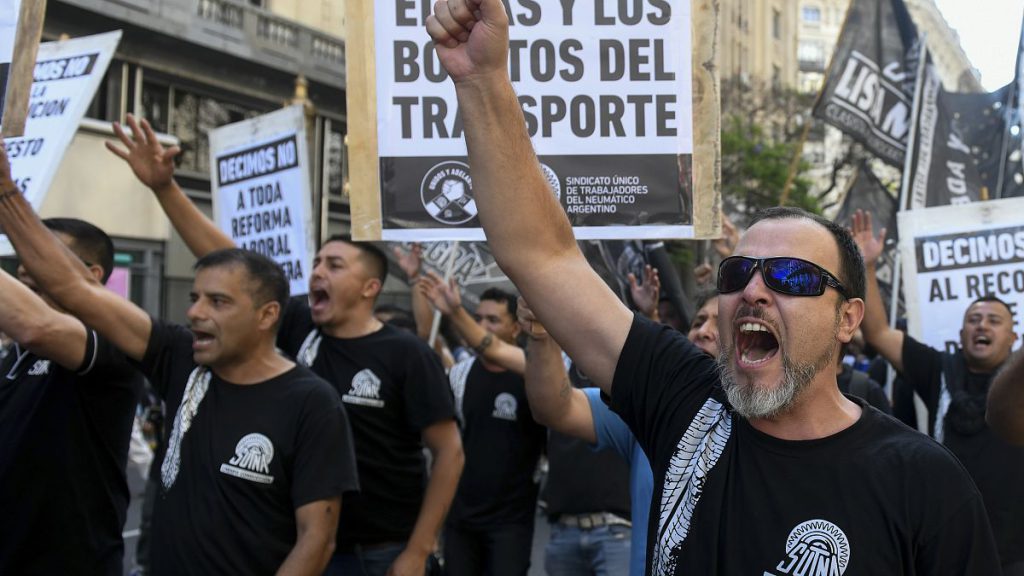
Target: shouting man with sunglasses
<point>762,466</point>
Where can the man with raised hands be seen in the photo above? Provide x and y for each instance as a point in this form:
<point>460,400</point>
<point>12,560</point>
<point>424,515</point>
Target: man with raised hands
<point>394,389</point>
<point>745,459</point>
<point>67,399</point>
<point>259,453</point>
<point>954,387</point>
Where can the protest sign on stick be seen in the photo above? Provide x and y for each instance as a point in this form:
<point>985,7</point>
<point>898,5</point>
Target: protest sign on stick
<point>620,100</point>
<point>262,194</point>
<point>66,76</point>
<point>953,255</point>
<point>18,78</point>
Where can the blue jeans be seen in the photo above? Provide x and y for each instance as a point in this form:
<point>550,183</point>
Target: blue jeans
<point>502,550</point>
<point>361,561</point>
<point>602,551</point>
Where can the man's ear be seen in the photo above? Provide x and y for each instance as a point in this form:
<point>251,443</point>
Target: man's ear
<point>268,314</point>
<point>850,315</point>
<point>97,272</point>
<point>371,288</point>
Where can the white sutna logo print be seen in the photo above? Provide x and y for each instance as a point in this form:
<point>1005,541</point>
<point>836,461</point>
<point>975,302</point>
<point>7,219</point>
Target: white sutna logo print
<point>252,459</point>
<point>505,406</point>
<point>365,390</point>
<point>815,547</point>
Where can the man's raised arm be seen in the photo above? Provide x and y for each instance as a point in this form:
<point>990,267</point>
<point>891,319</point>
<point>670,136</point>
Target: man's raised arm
<point>37,327</point>
<point>554,402</point>
<point>448,300</point>
<point>525,226</point>
<point>153,165</point>
<point>877,332</point>
<point>64,277</point>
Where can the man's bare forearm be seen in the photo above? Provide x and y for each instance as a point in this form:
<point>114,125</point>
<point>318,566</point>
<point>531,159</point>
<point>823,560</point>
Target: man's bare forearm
<point>525,224</point>
<point>1006,401</point>
<point>554,402</point>
<point>875,326</point>
<point>491,348</point>
<point>444,480</point>
<point>199,233</point>
<point>316,528</point>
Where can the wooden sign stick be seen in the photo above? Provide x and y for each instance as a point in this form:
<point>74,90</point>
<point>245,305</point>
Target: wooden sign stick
<point>23,63</point>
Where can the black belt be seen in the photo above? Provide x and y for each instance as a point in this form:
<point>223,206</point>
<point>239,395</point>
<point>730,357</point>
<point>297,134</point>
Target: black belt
<point>594,520</point>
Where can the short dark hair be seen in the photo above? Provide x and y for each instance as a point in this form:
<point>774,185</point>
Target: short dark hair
<point>992,298</point>
<point>373,257</point>
<point>509,299</point>
<point>88,242</point>
<point>851,273</point>
<point>268,282</point>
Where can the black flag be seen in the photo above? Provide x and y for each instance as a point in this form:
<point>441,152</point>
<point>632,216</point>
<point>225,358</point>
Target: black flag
<point>866,192</point>
<point>958,148</point>
<point>869,91</point>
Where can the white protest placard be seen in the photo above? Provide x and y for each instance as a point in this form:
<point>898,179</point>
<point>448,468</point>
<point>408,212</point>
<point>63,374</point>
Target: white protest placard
<point>953,255</point>
<point>262,194</point>
<point>66,77</point>
<point>606,88</point>
<point>8,30</point>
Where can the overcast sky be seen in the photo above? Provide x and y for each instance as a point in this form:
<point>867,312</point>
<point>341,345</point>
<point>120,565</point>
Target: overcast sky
<point>989,31</point>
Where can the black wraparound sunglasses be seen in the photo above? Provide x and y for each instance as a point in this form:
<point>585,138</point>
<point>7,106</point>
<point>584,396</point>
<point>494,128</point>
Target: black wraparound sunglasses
<point>785,275</point>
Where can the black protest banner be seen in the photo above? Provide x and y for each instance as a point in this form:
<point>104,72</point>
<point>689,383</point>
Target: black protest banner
<point>866,192</point>
<point>869,90</point>
<point>956,133</point>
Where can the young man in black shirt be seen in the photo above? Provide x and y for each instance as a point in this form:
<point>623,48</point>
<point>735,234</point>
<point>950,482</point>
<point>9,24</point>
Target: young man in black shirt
<point>259,453</point>
<point>583,486</point>
<point>763,468</point>
<point>397,396</point>
<point>490,527</point>
<point>954,388</point>
<point>67,399</point>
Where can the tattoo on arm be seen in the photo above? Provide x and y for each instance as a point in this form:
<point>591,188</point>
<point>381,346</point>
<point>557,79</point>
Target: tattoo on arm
<point>484,343</point>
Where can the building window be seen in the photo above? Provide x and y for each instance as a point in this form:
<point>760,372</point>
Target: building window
<point>776,77</point>
<point>811,56</point>
<point>190,116</point>
<point>776,24</point>
<point>812,14</point>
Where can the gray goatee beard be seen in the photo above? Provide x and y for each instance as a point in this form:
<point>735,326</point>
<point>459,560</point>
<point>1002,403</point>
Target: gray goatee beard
<point>754,401</point>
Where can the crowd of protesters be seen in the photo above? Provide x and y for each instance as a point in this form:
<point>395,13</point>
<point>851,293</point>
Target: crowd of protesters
<point>328,434</point>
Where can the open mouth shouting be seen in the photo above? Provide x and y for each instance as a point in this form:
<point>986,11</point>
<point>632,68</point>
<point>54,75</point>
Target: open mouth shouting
<point>756,344</point>
<point>981,343</point>
<point>201,340</point>
<point>319,300</point>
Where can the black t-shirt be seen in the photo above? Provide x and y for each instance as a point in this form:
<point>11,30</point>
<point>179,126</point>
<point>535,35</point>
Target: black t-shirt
<point>996,466</point>
<point>252,456</point>
<point>875,498</point>
<point>393,386</point>
<point>582,480</point>
<point>502,444</point>
<point>63,449</point>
